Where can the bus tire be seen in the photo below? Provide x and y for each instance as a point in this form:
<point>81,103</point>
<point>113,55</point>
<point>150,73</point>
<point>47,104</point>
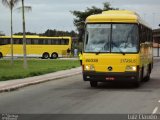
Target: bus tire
<point>45,55</point>
<point>137,84</point>
<point>93,83</point>
<point>139,79</point>
<point>1,55</point>
<point>54,55</point>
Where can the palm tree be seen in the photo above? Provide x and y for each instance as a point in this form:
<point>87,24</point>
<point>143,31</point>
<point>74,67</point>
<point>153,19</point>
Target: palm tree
<point>23,8</point>
<point>11,4</point>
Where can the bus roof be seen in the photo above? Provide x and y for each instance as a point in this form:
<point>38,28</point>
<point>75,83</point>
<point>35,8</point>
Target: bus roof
<point>34,36</point>
<point>116,16</point>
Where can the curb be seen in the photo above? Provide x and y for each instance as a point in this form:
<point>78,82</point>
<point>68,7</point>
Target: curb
<point>26,83</point>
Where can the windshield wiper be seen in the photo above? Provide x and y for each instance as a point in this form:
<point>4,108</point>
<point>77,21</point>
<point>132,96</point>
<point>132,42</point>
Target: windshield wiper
<point>97,53</point>
<point>123,53</point>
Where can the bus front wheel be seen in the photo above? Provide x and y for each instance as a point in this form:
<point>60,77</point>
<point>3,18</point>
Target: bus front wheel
<point>93,83</point>
<point>45,55</point>
<point>54,56</point>
<point>139,79</point>
<point>1,55</point>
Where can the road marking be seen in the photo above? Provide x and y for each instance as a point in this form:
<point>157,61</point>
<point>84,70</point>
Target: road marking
<point>159,101</point>
<point>155,110</point>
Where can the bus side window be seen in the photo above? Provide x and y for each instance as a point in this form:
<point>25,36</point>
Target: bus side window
<point>35,41</point>
<point>46,41</point>
<point>20,41</point>
<point>40,41</point>
<point>49,42</point>
<point>146,36</point>
<point>4,41</point>
<point>15,41</point>
<point>53,42</point>
<point>59,41</point>
<point>32,41</point>
<point>62,41</point>
<point>56,41</point>
<point>146,31</point>
<point>66,41</point>
<point>28,41</point>
<point>143,38</point>
<point>7,41</point>
<point>1,41</point>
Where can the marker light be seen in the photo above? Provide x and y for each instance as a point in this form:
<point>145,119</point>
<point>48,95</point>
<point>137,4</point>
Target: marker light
<point>131,68</point>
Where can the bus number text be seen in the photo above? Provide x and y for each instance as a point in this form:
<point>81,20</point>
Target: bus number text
<point>128,60</point>
<point>91,60</point>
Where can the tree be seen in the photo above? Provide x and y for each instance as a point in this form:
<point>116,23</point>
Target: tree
<point>1,33</point>
<point>11,4</point>
<point>55,32</point>
<point>27,33</point>
<point>23,8</point>
<point>24,33</point>
<point>81,16</point>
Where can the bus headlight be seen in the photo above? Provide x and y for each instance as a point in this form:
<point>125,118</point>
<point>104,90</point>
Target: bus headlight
<point>131,68</point>
<point>92,67</point>
<point>89,67</point>
<point>86,67</point>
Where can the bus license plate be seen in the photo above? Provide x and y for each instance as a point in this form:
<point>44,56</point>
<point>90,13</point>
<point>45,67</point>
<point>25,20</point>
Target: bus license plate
<point>110,78</point>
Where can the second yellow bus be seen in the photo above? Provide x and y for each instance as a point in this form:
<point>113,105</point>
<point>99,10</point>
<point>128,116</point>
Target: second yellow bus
<point>37,46</point>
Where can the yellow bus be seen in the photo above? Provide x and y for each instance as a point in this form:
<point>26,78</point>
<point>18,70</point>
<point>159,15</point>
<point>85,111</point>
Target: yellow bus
<point>37,46</point>
<point>117,47</point>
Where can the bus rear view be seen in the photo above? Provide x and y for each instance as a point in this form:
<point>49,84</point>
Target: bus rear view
<point>115,49</point>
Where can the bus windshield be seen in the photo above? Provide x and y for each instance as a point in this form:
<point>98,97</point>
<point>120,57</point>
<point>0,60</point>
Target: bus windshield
<point>111,38</point>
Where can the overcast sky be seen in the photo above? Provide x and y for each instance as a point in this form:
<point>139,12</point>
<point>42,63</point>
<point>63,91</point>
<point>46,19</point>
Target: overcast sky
<point>55,14</point>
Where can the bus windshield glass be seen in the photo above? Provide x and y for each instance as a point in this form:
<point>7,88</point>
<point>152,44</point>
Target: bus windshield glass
<point>111,38</point>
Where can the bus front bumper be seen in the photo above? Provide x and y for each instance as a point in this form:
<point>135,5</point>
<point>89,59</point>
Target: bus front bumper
<point>109,76</point>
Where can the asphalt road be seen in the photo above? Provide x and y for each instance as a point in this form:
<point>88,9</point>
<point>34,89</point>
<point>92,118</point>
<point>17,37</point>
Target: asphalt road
<point>73,95</point>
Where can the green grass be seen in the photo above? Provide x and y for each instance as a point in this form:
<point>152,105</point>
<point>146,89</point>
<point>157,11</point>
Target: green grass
<point>35,67</point>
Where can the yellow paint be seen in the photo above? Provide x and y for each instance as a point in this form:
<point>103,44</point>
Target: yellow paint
<point>120,16</point>
<point>117,61</point>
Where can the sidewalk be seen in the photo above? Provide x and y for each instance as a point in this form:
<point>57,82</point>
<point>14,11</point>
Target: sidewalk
<point>6,86</point>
